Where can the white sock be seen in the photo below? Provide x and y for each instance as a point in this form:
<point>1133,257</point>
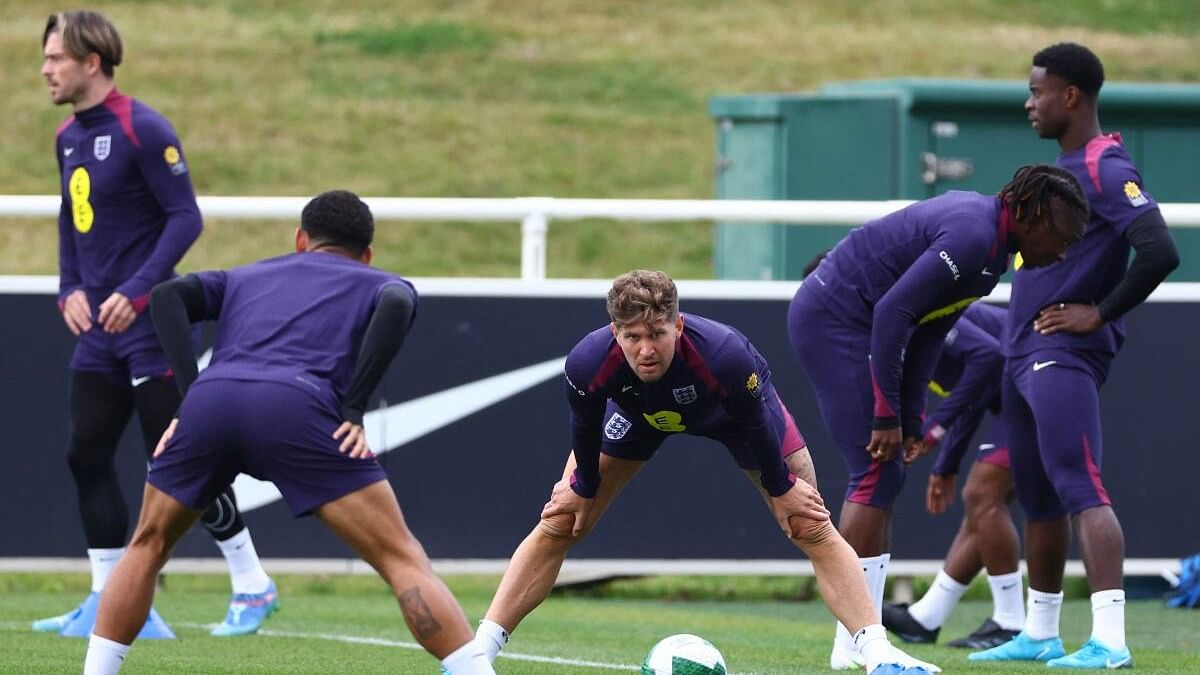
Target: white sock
<point>872,642</point>
<point>104,657</point>
<point>875,571</point>
<point>492,637</point>
<point>1008,606</point>
<point>1108,618</point>
<point>937,603</point>
<point>468,659</point>
<point>1041,622</point>
<point>246,573</point>
<point>103,562</point>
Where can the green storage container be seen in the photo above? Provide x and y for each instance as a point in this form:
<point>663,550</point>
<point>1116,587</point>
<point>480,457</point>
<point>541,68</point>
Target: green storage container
<point>916,138</point>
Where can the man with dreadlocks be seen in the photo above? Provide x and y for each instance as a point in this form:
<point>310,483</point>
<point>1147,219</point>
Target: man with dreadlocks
<point>1064,328</point>
<point>869,323</point>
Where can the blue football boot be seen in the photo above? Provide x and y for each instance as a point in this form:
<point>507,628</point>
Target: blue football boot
<point>897,669</point>
<point>247,611</point>
<point>1094,655</point>
<point>85,619</point>
<point>55,624</point>
<point>1022,648</point>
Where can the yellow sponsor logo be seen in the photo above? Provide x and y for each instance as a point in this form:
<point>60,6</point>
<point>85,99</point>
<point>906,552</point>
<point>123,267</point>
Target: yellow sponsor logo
<point>952,308</point>
<point>80,189</point>
<point>665,420</point>
<point>1018,262</point>
<point>1134,193</point>
<point>171,154</point>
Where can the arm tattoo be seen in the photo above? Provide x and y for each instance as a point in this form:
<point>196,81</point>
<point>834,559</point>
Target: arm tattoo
<point>418,614</point>
<point>801,464</point>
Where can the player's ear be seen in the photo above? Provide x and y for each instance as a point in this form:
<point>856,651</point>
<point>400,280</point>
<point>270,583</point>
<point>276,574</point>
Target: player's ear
<point>1072,96</point>
<point>365,258</point>
<point>301,240</point>
<point>679,322</point>
<point>613,326</point>
<point>91,63</point>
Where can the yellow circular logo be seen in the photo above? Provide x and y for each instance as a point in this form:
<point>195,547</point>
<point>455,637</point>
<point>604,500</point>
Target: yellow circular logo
<point>171,154</point>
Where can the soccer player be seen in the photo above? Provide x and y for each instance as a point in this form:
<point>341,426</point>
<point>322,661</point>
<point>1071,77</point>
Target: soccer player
<point>301,342</point>
<point>968,377</point>
<point>868,324</point>
<point>1064,329</point>
<point>128,216</point>
<point>653,372</point>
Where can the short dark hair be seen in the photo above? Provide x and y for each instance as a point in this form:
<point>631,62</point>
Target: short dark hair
<point>1049,192</point>
<point>1075,63</point>
<point>85,32</point>
<point>339,218</point>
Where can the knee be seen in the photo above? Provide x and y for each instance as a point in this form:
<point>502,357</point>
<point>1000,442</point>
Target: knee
<point>86,459</point>
<point>402,560</point>
<point>808,532</point>
<point>558,529</point>
<point>151,539</point>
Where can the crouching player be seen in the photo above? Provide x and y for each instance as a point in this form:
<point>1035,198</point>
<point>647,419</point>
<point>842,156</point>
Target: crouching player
<point>654,372</point>
<point>301,342</point>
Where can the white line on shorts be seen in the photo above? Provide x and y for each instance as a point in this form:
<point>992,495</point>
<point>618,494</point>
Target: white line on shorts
<point>383,642</point>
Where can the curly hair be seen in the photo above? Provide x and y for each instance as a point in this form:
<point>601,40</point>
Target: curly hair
<point>643,296</point>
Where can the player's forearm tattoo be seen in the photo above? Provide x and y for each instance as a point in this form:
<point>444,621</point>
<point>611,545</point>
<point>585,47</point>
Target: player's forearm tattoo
<point>801,464</point>
<point>418,614</point>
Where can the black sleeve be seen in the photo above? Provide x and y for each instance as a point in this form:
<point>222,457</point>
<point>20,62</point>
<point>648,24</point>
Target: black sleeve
<point>174,305</point>
<point>389,325</point>
<point>1154,258</point>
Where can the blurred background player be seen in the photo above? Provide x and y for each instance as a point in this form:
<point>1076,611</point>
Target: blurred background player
<point>128,216</point>
<point>654,372</point>
<point>301,342</point>
<point>1064,329</point>
<point>868,324</point>
<point>968,377</point>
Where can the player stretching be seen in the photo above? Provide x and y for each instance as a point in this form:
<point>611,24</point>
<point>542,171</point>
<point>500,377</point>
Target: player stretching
<point>128,216</point>
<point>301,342</point>
<point>654,372</point>
<point>868,324</point>
<point>968,376</point>
<point>1064,329</point>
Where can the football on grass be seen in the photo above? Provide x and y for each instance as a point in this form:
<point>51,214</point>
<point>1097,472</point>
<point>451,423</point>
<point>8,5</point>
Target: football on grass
<point>683,655</point>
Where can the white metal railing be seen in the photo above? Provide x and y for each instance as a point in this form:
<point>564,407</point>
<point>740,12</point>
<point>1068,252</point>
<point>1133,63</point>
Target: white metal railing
<point>535,213</point>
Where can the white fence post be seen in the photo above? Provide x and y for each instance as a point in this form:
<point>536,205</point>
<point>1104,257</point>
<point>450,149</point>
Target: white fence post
<point>533,238</point>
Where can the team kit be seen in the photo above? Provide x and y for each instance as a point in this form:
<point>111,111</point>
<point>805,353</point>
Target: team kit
<point>881,319</point>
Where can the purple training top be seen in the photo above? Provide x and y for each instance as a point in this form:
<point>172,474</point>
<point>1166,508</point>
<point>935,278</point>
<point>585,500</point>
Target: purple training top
<point>297,319</point>
<point>716,378</point>
<point>1096,264</point>
<point>128,211</point>
<point>968,374</point>
<point>905,277</point>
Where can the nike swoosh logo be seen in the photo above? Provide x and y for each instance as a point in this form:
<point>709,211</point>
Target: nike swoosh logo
<point>987,273</point>
<point>1005,588</point>
<point>402,423</point>
<point>626,388</point>
<point>67,152</point>
<point>1045,651</point>
<point>1113,665</point>
<point>1038,365</point>
<point>138,381</point>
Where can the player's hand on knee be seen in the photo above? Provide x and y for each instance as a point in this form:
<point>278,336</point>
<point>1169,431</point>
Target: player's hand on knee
<point>354,440</point>
<point>803,501</point>
<point>166,437</point>
<point>884,444</point>
<point>564,501</point>
<point>939,495</point>
<point>116,313</point>
<point>77,314</point>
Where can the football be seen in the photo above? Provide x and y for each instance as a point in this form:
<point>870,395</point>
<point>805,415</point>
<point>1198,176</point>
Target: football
<point>683,655</point>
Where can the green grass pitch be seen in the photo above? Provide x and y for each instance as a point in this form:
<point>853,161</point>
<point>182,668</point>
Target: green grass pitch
<point>352,625</point>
